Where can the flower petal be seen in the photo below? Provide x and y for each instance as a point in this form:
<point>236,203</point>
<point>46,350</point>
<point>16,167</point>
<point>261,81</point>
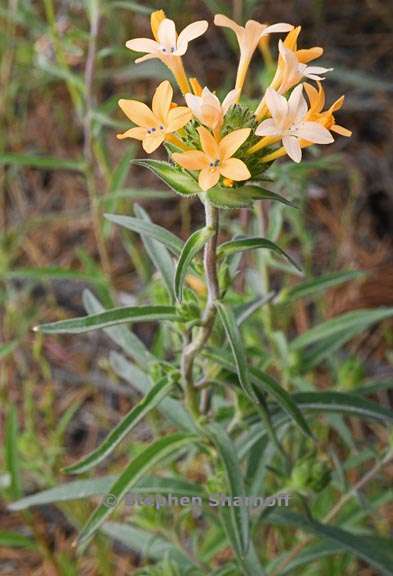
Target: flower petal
<point>191,160</point>
<point>162,100</point>
<point>277,105</point>
<point>221,20</point>
<point>235,169</point>
<point>292,146</point>
<point>341,130</point>
<point>152,142</point>
<point>138,113</point>
<point>137,132</point>
<point>267,128</point>
<point>143,45</point>
<point>314,132</point>
<point>277,28</point>
<point>297,105</point>
<point>167,33</point>
<point>209,143</point>
<point>308,54</point>
<point>189,33</point>
<point>208,178</point>
<point>148,57</point>
<point>230,99</point>
<point>177,118</point>
<point>230,143</point>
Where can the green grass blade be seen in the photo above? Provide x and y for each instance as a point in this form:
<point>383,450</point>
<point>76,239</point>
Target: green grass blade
<point>42,162</point>
<point>190,249</point>
<point>15,540</point>
<point>149,402</point>
<point>109,318</point>
<point>11,455</point>
<point>130,476</point>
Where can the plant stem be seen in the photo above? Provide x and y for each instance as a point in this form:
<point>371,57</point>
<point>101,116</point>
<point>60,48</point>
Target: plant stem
<point>191,350</point>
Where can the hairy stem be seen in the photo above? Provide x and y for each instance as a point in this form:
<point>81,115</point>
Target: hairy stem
<point>191,350</point>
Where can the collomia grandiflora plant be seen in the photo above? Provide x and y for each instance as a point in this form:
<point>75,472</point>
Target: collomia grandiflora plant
<point>244,422</point>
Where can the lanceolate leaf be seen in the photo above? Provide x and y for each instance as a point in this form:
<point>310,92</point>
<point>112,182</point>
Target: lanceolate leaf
<point>238,529</point>
<point>176,178</point>
<point>79,489</point>
<point>266,383</point>
<point>159,255</point>
<point>130,476</point>
<point>146,228</point>
<point>146,544</point>
<point>121,335</point>
<point>351,404</point>
<point>315,286</point>
<point>252,243</point>
<point>109,318</point>
<point>169,407</point>
<point>232,331</point>
<point>150,401</point>
<point>377,552</point>
<point>242,197</point>
<point>191,248</point>
<point>358,321</point>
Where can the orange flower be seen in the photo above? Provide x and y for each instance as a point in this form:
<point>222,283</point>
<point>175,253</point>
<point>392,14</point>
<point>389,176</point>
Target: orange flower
<point>326,118</point>
<point>155,125</point>
<point>215,158</point>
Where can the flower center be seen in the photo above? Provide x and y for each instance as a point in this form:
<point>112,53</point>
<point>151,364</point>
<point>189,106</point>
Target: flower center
<point>154,129</point>
<point>168,50</point>
<point>214,163</point>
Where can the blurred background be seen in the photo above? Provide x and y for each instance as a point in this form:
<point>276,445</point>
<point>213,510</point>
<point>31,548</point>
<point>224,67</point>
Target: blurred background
<point>63,68</point>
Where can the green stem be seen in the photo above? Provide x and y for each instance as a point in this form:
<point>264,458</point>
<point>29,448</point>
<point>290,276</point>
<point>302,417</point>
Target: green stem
<point>191,350</point>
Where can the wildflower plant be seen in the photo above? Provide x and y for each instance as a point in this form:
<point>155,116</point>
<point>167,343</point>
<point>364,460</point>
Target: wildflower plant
<point>230,421</point>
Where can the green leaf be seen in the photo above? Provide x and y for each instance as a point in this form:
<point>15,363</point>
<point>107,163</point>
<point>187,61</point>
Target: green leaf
<point>377,552</point>
<point>232,331</point>
<point>244,311</point>
<point>146,544</point>
<point>356,321</point>
<point>172,409</point>
<point>43,162</point>
<point>242,197</point>
<point>238,529</point>
<point>81,489</point>
<point>337,402</point>
<point>109,318</point>
<point>15,540</point>
<point>317,285</point>
<point>146,228</point>
<point>190,249</point>
<point>52,273</point>
<point>130,476</point>
<point>121,335</point>
<point>158,254</point>
<point>314,355</point>
<point>149,402</point>
<point>176,178</point>
<point>252,243</point>
<point>307,556</point>
<point>268,384</point>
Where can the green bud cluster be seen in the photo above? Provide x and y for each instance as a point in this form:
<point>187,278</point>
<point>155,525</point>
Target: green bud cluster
<point>310,475</point>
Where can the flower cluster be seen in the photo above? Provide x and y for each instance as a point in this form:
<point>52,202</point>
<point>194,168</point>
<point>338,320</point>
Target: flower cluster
<point>226,139</point>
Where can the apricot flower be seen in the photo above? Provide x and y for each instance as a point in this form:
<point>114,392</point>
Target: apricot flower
<point>248,38</point>
<point>208,109</point>
<point>155,125</point>
<point>215,158</point>
<point>289,123</point>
